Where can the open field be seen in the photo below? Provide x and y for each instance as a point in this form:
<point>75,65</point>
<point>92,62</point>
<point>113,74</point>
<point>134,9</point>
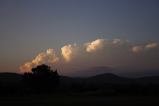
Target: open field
<point>79,100</point>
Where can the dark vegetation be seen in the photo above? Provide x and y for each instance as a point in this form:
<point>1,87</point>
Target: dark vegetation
<point>41,79</point>
<point>44,80</point>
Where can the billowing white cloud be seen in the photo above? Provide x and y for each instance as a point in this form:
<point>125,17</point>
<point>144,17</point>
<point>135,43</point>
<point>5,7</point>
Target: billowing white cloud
<point>68,51</point>
<point>26,67</point>
<point>137,49</point>
<point>151,45</point>
<point>119,42</point>
<point>94,45</point>
<point>144,47</point>
<point>116,41</point>
<point>100,52</point>
<point>48,57</point>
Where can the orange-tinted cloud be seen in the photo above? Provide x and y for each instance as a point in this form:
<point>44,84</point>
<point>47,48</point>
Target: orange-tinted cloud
<point>94,45</point>
<point>137,49</point>
<point>48,57</point>
<point>68,51</point>
<point>151,45</point>
<point>141,48</point>
<point>99,52</point>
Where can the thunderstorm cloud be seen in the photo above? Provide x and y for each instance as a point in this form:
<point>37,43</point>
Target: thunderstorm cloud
<point>116,53</point>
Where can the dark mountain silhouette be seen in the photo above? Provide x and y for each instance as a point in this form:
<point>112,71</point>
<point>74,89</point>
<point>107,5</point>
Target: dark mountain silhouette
<point>109,78</point>
<point>103,84</point>
<point>100,78</point>
<point>10,83</point>
<point>93,71</point>
<point>10,78</point>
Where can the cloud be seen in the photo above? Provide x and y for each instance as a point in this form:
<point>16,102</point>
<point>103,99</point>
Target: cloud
<point>48,57</point>
<point>94,45</point>
<point>26,67</point>
<point>142,48</point>
<point>137,49</point>
<point>116,53</point>
<point>151,45</point>
<point>68,51</point>
<point>119,42</point>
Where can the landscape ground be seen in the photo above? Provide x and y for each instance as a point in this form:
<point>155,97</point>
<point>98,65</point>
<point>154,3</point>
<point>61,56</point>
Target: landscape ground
<point>100,90</point>
<point>69,100</point>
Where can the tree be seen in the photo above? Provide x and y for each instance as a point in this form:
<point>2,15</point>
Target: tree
<point>42,78</point>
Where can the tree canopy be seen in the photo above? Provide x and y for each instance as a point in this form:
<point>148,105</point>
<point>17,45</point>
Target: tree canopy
<point>42,77</point>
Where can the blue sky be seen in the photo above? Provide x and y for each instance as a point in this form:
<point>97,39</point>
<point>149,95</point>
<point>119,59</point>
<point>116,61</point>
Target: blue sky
<point>31,26</point>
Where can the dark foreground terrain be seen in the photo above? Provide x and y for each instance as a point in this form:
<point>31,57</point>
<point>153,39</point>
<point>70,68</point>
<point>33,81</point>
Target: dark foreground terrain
<point>45,100</point>
<point>99,90</point>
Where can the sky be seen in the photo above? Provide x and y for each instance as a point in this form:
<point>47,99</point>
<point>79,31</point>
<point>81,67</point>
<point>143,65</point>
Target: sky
<point>63,32</point>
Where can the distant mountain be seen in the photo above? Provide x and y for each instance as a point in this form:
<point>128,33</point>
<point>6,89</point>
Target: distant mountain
<point>106,78</point>
<point>93,71</point>
<point>10,78</point>
<point>109,78</point>
<point>101,84</point>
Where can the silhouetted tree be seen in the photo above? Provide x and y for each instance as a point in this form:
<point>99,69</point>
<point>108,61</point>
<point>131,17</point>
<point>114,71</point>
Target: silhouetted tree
<point>42,78</point>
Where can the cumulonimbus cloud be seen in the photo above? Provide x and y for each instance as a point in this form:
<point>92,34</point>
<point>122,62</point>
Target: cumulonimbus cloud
<point>94,45</point>
<point>115,52</point>
<point>137,49</point>
<point>68,51</point>
<point>141,48</point>
<point>151,45</point>
<point>48,57</point>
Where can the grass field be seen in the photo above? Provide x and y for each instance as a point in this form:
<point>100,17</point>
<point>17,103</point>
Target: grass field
<point>78,101</point>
